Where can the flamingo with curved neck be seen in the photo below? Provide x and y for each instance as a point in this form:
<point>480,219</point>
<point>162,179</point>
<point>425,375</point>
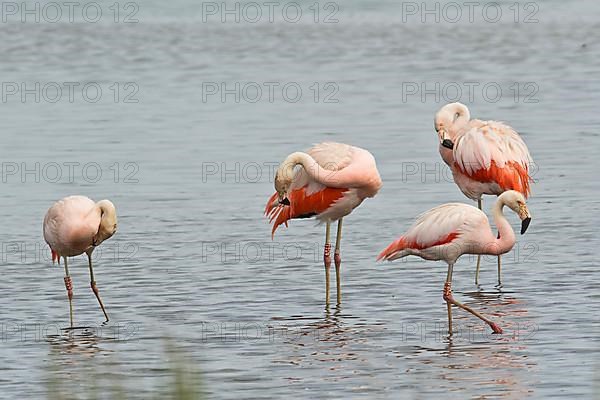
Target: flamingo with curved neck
<point>76,225</point>
<point>448,231</point>
<point>332,180</point>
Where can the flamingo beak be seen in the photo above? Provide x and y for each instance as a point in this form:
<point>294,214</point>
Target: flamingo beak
<point>525,224</point>
<point>285,201</point>
<point>447,143</point>
<point>525,217</point>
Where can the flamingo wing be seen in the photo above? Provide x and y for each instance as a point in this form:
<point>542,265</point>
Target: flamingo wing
<point>303,204</point>
<point>493,152</point>
<point>331,155</point>
<point>438,226</point>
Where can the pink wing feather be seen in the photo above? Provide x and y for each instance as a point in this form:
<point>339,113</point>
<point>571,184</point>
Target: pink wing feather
<point>436,227</point>
<point>493,152</point>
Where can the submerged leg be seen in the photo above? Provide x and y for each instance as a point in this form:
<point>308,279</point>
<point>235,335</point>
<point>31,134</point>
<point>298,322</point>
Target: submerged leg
<point>478,255</point>
<point>94,288</point>
<point>338,261</point>
<point>451,300</point>
<point>69,286</point>
<point>499,267</point>
<point>327,260</point>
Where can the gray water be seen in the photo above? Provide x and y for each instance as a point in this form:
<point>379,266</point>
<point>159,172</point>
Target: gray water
<point>193,263</point>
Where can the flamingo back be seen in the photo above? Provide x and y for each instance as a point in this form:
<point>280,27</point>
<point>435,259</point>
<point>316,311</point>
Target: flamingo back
<point>70,225</point>
<point>440,226</point>
<point>308,197</point>
<point>491,151</point>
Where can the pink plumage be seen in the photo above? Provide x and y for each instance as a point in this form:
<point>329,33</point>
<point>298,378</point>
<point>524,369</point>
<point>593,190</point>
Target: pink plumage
<point>327,182</point>
<point>488,157</point>
<point>77,225</point>
<point>334,179</point>
<point>70,225</point>
<point>448,231</point>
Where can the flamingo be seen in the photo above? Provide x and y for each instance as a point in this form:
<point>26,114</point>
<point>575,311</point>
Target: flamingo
<point>333,179</point>
<point>486,157</point>
<point>448,231</point>
<point>76,225</point>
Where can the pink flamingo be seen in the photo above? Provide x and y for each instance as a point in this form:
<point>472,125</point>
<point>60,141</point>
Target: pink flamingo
<point>334,178</point>
<point>448,231</point>
<point>486,157</point>
<point>76,225</point>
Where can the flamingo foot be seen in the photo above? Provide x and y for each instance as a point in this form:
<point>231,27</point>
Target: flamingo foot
<point>97,293</point>
<point>496,328</point>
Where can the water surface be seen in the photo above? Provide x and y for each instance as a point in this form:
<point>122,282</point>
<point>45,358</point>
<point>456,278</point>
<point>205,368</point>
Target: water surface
<point>193,262</point>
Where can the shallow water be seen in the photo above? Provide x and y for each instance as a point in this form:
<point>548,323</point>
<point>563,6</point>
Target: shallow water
<point>193,261</point>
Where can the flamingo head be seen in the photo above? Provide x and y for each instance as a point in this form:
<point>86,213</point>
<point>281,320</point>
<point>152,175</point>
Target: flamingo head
<point>283,181</point>
<point>108,222</point>
<point>447,119</point>
<point>516,202</point>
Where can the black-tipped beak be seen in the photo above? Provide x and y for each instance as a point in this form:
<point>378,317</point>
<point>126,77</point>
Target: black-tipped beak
<point>525,224</point>
<point>447,143</point>
<point>285,201</point>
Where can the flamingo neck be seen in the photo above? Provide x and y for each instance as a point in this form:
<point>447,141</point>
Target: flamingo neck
<point>312,168</point>
<point>507,235</point>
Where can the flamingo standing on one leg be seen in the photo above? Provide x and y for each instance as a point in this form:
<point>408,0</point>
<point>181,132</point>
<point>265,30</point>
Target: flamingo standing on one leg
<point>334,178</point>
<point>486,157</point>
<point>76,225</point>
<point>448,231</point>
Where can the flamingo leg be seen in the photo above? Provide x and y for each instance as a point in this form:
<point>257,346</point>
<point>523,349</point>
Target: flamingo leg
<point>451,300</point>
<point>449,317</point>
<point>478,255</point>
<point>327,260</point>
<point>93,286</point>
<point>499,269</point>
<point>69,287</point>
<point>338,261</point>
